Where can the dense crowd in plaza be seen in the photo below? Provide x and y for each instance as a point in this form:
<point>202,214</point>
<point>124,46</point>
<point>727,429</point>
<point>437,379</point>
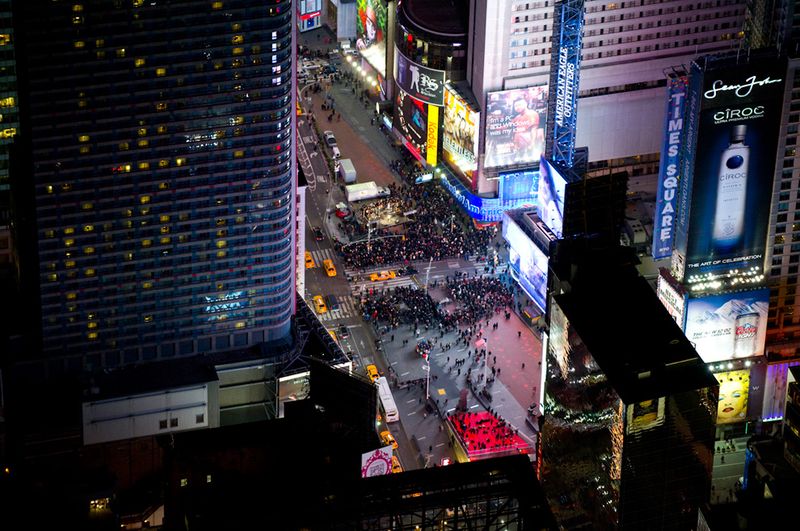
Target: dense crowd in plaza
<point>403,305</point>
<point>433,234</point>
<point>479,298</point>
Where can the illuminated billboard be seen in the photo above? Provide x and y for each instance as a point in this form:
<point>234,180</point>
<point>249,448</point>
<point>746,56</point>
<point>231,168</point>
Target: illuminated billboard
<point>419,82</point>
<point>377,463</point>
<point>528,264</point>
<point>673,301</point>
<point>411,119</point>
<point>371,31</point>
<point>460,133</point>
<point>731,190</point>
<point>669,169</point>
<point>550,203</point>
<point>432,139</point>
<point>734,390</point>
<point>728,325</point>
<point>485,209</point>
<point>515,124</point>
<point>519,187</point>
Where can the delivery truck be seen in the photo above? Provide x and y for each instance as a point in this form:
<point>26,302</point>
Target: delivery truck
<point>347,171</point>
<point>364,191</point>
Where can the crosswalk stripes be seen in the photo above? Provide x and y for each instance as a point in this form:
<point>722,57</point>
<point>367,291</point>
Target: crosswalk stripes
<point>348,307</point>
<point>322,254</point>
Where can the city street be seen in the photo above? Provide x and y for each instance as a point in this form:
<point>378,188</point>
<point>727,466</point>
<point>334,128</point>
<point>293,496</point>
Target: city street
<point>423,439</point>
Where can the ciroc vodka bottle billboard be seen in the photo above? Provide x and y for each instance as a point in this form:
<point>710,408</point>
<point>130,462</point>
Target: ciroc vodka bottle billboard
<point>734,167</point>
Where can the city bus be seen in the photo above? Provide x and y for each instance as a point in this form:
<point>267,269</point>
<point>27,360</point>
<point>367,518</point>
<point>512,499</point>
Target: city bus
<point>387,400</point>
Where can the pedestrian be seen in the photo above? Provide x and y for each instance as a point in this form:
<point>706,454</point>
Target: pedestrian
<point>519,333</point>
<point>523,365</point>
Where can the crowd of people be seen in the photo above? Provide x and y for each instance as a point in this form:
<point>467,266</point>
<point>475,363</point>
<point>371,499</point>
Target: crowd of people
<point>479,298</point>
<point>403,305</point>
<point>438,232</point>
<point>484,433</point>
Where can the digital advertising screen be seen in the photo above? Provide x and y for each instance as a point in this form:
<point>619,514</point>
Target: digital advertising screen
<point>371,31</point>
<point>515,126</point>
<point>527,261</point>
<point>673,301</point>
<point>419,82</point>
<point>550,203</point>
<point>460,134</point>
<point>734,390</point>
<point>729,325</point>
<point>411,119</point>
<point>519,187</point>
<point>737,138</point>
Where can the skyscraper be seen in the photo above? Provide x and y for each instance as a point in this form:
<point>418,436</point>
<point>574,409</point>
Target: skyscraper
<point>161,152</point>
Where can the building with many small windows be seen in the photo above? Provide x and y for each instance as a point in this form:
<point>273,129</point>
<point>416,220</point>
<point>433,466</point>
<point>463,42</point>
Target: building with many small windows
<point>161,156</point>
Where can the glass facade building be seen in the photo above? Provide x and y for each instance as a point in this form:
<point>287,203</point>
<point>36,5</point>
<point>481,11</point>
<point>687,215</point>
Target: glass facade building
<point>629,412</point>
<point>161,151</point>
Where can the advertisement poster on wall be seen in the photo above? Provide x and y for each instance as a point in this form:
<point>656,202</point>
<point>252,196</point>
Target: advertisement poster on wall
<point>371,31</point>
<point>729,325</point>
<point>550,203</point>
<point>734,391</point>
<point>527,262</point>
<point>734,167</point>
<point>419,82</point>
<point>515,124</point>
<point>460,134</point>
<point>411,119</point>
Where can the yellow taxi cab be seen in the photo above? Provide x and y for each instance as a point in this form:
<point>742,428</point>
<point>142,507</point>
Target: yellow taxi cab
<point>309,261</point>
<point>388,438</point>
<point>333,335</point>
<point>330,270</point>
<point>373,373</point>
<point>396,466</point>
<point>319,304</point>
<point>382,275</point>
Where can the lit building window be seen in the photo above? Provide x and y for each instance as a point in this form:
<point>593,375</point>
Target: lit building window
<point>163,218</point>
<point>240,324</point>
<point>161,72</point>
<point>161,106</point>
<point>88,250</point>
<point>144,199</point>
<point>163,163</point>
<point>124,146</point>
<point>71,296</point>
<point>165,229</point>
<point>142,131</point>
<point>162,129</point>
<point>88,228</point>
<point>91,325</point>
<point>84,150</point>
<point>128,256</point>
<point>92,336</point>
<point>220,254</point>
<point>237,39</point>
<point>52,277</point>
<point>69,242</point>
<point>49,188</point>
<point>148,318</point>
<point>83,138</point>
<point>147,243</point>
<point>163,185</point>
<point>77,8</point>
<point>89,272</point>
<point>50,233</point>
<point>165,240</point>
<point>69,264</point>
<point>238,50</point>
<point>180,161</point>
<point>139,61</point>
<point>87,205</point>
<point>144,165</point>
<point>99,43</point>
<point>214,5</point>
<point>147,284</point>
<point>143,143</point>
<point>121,52</point>
<point>79,45</point>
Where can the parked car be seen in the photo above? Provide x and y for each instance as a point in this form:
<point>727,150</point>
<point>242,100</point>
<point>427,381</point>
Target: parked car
<point>343,331</point>
<point>330,139</point>
<point>318,234</point>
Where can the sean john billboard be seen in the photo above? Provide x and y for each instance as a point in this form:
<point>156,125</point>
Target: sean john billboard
<point>734,167</point>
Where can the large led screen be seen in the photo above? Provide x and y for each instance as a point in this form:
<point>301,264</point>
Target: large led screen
<point>728,325</point>
<point>515,124</point>
<point>411,119</point>
<point>550,203</point>
<point>419,82</point>
<point>734,390</point>
<point>460,134</point>
<point>519,188</point>
<point>527,261</point>
<point>371,29</point>
<point>734,167</point>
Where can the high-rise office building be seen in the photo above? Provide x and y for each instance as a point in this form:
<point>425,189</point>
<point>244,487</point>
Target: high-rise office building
<point>627,437</point>
<point>9,124</point>
<point>161,156</point>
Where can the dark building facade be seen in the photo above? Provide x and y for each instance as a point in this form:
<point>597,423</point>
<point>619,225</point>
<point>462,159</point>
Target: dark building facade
<point>161,156</point>
<point>629,410</point>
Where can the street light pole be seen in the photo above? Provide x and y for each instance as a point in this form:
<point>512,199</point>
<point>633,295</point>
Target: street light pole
<point>428,274</point>
<point>428,379</point>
